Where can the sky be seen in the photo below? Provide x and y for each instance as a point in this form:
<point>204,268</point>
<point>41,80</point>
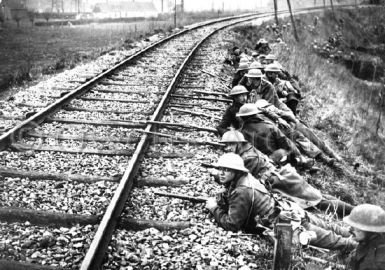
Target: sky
<point>197,5</point>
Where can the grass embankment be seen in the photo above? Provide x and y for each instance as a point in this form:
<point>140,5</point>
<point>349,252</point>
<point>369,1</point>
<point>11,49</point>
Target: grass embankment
<point>344,110</point>
<point>27,52</point>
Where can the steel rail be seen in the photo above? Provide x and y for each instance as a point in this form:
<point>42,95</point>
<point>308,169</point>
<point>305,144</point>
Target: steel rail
<point>95,255</point>
<point>13,134</point>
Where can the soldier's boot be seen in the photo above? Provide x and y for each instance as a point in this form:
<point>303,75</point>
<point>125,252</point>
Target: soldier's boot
<point>325,159</point>
<point>331,153</point>
<point>303,163</point>
<point>339,169</point>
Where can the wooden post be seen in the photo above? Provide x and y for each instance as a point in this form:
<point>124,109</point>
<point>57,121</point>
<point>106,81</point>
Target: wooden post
<point>334,14</point>
<point>282,246</point>
<point>292,21</point>
<point>175,14</point>
<point>275,12</point>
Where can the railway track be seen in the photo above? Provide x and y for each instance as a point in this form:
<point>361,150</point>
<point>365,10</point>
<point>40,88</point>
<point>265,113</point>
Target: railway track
<point>155,110</point>
<point>44,158</point>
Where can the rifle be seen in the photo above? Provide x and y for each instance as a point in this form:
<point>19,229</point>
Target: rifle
<point>206,165</point>
<point>182,197</point>
<point>223,81</point>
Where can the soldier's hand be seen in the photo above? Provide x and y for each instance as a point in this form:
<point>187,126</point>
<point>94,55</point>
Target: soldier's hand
<point>283,123</point>
<point>211,204</point>
<point>214,173</point>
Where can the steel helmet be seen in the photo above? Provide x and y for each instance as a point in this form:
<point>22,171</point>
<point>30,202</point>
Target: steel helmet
<point>262,41</point>
<point>271,57</point>
<point>237,90</point>
<point>261,57</point>
<point>272,68</point>
<point>231,161</point>
<point>243,60</point>
<point>292,97</point>
<point>367,217</point>
<point>256,64</point>
<point>243,66</point>
<point>248,109</point>
<point>279,156</point>
<point>261,103</point>
<point>254,73</point>
<point>233,136</point>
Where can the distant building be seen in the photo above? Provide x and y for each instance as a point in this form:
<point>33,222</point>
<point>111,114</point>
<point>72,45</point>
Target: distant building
<point>125,10</point>
<point>21,7</point>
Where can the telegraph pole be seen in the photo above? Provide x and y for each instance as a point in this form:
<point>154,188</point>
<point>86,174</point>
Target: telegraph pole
<point>275,12</point>
<point>175,14</point>
<point>292,21</point>
<point>334,15</point>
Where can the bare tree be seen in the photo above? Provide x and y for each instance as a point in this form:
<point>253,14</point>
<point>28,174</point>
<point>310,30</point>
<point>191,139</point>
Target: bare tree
<point>47,15</point>
<point>2,18</point>
<point>16,16</point>
<point>334,15</point>
<point>292,21</point>
<point>275,12</point>
<point>32,16</point>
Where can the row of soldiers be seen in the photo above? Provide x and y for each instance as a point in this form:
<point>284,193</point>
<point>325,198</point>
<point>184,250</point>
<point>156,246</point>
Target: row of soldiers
<point>266,147</point>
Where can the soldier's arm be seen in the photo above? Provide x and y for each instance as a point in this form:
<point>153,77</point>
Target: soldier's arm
<point>238,211</point>
<point>286,115</point>
<point>284,142</point>
<point>227,120</point>
<point>269,113</point>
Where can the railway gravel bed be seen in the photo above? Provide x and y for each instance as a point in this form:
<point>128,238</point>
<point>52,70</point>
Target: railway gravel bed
<point>123,116</point>
<point>86,130</point>
<point>64,163</point>
<point>58,247</point>
<point>62,197</point>
<point>199,247</point>
<point>78,144</point>
<point>65,246</point>
<point>119,106</point>
<point>203,245</point>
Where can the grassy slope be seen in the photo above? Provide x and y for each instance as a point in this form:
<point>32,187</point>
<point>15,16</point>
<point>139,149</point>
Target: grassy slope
<point>343,109</point>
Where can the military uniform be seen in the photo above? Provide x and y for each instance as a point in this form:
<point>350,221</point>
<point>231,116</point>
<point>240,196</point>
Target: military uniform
<point>250,203</point>
<point>283,88</point>
<point>370,255</point>
<point>312,142</point>
<point>288,182</point>
<point>285,181</point>
<point>237,78</point>
<point>264,91</point>
<point>229,119</point>
<point>301,141</point>
<point>266,136</point>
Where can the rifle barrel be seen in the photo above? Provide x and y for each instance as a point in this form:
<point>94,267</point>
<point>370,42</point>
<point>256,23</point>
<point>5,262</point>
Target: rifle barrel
<point>207,165</point>
<point>182,197</point>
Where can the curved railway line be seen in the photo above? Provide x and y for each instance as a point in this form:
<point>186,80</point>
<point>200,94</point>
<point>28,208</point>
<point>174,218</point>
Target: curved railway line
<point>138,117</point>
